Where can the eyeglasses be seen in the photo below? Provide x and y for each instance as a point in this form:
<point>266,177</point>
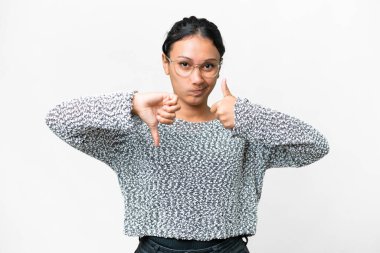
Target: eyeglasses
<point>184,68</point>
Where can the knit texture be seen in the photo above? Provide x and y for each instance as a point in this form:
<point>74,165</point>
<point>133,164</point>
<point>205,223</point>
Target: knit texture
<point>204,181</point>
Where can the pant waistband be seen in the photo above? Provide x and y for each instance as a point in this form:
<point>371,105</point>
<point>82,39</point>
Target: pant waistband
<point>188,244</point>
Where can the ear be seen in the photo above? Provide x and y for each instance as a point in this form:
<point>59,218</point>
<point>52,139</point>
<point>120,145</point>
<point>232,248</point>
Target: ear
<point>165,64</point>
<point>221,64</point>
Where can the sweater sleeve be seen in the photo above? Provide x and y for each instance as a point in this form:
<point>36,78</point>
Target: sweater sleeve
<point>92,124</point>
<point>288,141</point>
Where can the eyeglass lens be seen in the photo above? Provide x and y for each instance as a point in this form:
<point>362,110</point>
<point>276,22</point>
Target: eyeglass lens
<point>207,69</point>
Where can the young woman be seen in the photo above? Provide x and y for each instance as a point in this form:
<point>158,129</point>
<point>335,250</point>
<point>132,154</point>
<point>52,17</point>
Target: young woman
<point>191,175</point>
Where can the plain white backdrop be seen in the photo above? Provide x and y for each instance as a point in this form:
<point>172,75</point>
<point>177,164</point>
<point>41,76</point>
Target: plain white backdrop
<point>316,60</point>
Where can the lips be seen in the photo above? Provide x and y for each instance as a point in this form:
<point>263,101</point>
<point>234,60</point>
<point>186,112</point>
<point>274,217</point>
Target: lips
<point>197,92</point>
<point>199,89</point>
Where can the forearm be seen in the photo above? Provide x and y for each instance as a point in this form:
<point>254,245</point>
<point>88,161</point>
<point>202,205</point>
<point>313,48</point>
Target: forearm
<point>76,119</point>
<point>290,141</point>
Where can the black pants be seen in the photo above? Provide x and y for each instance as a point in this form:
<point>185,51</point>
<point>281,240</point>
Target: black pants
<point>231,245</point>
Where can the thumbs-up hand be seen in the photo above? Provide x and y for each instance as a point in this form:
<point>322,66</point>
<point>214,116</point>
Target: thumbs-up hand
<point>154,108</point>
<point>224,108</point>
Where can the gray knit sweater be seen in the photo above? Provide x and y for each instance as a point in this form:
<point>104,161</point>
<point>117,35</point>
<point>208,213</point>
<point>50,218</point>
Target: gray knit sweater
<point>204,181</point>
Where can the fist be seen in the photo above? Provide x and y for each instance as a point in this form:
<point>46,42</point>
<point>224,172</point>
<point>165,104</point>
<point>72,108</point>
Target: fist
<point>224,108</point>
<point>154,108</point>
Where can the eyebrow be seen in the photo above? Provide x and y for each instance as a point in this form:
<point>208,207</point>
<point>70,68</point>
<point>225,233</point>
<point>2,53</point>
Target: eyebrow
<point>192,59</point>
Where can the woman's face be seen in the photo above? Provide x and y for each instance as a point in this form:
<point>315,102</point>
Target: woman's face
<point>192,50</point>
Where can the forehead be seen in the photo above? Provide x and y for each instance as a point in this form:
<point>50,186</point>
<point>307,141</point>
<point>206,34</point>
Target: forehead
<point>195,47</point>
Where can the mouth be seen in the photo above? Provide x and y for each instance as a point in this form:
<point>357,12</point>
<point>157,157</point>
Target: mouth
<point>198,92</point>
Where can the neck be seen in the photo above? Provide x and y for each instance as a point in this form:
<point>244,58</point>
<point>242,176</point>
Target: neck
<point>194,113</point>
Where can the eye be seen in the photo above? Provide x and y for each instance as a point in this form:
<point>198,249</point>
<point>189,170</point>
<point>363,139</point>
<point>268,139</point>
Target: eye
<point>184,65</point>
<point>208,66</point>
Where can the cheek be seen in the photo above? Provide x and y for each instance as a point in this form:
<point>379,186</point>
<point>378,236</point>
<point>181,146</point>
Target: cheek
<point>211,89</point>
<point>178,84</point>
<point>212,85</point>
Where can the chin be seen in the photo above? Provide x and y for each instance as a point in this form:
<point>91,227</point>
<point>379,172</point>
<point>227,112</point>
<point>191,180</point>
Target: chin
<point>195,101</point>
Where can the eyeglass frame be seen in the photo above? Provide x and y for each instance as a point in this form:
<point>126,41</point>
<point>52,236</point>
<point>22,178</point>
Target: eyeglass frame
<point>197,66</point>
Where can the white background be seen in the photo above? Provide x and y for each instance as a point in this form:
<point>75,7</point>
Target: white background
<point>316,60</point>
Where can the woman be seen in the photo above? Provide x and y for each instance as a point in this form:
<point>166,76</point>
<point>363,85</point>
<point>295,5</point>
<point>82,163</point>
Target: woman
<point>191,175</point>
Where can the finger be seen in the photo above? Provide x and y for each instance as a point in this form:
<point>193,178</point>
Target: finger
<point>156,137</point>
<point>172,100</point>
<point>173,97</point>
<point>226,91</point>
<point>164,114</point>
<point>172,108</point>
<point>166,99</point>
<point>214,107</point>
<point>164,120</point>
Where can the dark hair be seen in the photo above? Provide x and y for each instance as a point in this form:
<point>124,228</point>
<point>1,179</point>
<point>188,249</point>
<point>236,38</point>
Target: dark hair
<point>191,26</point>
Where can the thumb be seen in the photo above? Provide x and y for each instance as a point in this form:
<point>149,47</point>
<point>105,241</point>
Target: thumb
<point>226,91</point>
<point>156,137</point>
<point>213,107</point>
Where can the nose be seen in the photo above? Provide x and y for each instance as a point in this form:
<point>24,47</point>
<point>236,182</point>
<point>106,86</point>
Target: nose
<point>196,76</point>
